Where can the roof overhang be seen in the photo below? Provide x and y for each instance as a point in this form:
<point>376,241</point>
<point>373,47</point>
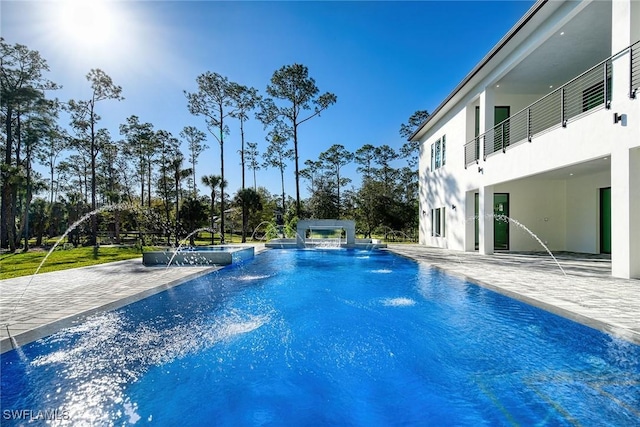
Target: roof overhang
<point>588,30</point>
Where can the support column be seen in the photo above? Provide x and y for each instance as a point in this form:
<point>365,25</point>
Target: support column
<point>469,221</point>
<point>487,114</point>
<point>485,223</point>
<point>625,213</point>
<point>621,25</point>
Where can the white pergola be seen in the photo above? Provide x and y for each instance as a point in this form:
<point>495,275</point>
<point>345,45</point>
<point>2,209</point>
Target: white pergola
<point>349,226</point>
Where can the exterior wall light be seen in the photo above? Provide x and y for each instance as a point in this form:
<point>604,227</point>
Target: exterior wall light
<point>453,207</point>
<point>617,118</point>
<point>480,170</point>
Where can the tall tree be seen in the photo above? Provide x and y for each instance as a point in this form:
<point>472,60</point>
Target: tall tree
<point>168,150</point>
<point>84,120</point>
<point>215,101</point>
<point>292,84</point>
<point>245,99</point>
<point>111,182</point>
<point>57,140</point>
<point>252,159</point>
<point>312,172</point>
<point>21,85</point>
<point>34,130</point>
<point>276,156</point>
<point>142,145</point>
<point>179,174</point>
<point>384,156</point>
<point>213,182</point>
<point>334,159</point>
<point>195,139</point>
<point>74,173</point>
<point>323,203</point>
<point>365,156</point>
<point>409,149</point>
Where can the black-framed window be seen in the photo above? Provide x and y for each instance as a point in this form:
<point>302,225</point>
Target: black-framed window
<point>438,222</point>
<point>439,153</point>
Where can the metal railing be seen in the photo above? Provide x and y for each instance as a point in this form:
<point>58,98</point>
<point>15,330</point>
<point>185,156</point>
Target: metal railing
<point>635,70</point>
<point>582,95</point>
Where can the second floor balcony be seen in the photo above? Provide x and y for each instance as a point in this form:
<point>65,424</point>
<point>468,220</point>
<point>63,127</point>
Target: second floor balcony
<point>586,93</point>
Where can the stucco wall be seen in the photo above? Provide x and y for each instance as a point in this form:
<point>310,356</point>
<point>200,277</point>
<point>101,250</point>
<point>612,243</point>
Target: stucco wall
<point>635,21</point>
<point>539,204</point>
<point>583,216</point>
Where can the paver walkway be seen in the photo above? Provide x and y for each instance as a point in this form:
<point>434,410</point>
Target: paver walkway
<point>53,300</point>
<point>587,294</point>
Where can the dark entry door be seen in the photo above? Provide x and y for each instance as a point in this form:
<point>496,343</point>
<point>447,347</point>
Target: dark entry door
<point>605,220</point>
<point>501,135</point>
<point>500,223</point>
<point>476,210</point>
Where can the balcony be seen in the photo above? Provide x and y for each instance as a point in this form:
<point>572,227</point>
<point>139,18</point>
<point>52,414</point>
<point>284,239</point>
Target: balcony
<point>584,94</point>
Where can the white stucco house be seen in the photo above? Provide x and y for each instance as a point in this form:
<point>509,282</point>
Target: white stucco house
<point>546,130</point>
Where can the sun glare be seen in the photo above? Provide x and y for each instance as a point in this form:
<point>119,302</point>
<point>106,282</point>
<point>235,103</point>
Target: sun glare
<point>87,23</point>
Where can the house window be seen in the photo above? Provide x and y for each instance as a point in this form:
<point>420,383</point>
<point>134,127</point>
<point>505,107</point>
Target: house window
<point>595,95</point>
<point>438,228</point>
<point>433,167</point>
<point>444,150</point>
<point>438,153</point>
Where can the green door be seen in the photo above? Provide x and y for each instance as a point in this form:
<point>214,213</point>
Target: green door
<point>501,135</point>
<point>476,210</point>
<point>476,135</point>
<point>500,223</point>
<point>605,220</point>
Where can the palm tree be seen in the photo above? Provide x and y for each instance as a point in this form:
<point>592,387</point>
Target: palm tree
<point>250,201</point>
<point>193,214</point>
<point>212,181</point>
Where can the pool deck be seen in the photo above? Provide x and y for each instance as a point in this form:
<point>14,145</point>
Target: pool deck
<point>588,294</point>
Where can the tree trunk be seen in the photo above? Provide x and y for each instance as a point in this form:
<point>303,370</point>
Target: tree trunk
<point>116,226</point>
<point>282,184</point>
<point>242,150</point>
<point>94,153</point>
<point>149,184</point>
<point>177,177</point>
<point>295,149</point>
<point>244,223</point>
<point>24,223</point>
<point>213,198</point>
<point>142,184</point>
<point>222,181</point>
<point>5,212</point>
<point>14,237</point>
<point>254,180</point>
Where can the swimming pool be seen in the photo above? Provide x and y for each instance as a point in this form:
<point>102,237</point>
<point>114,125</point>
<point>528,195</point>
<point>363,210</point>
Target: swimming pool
<point>335,337</point>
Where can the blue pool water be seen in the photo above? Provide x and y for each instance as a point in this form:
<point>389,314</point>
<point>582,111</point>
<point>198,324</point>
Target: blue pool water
<point>336,337</point>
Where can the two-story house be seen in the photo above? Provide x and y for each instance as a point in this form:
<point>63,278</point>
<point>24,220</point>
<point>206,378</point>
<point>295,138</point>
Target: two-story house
<point>542,135</point>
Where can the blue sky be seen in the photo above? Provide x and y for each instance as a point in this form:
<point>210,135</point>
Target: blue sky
<point>383,60</point>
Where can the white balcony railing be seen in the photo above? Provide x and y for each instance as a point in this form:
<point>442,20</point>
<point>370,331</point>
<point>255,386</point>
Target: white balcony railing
<point>582,95</point>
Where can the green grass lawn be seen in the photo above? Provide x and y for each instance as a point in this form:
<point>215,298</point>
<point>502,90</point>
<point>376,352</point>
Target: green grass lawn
<point>23,264</point>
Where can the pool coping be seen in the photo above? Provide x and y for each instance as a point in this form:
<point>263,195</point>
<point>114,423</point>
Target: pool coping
<point>617,323</point>
<point>438,259</point>
<point>31,335</point>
